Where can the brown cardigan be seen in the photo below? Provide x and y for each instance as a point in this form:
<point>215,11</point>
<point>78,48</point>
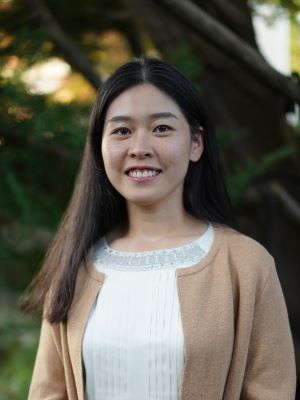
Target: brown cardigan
<point>237,339</point>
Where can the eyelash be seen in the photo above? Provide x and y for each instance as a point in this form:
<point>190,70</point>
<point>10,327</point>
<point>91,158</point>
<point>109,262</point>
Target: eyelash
<point>117,131</point>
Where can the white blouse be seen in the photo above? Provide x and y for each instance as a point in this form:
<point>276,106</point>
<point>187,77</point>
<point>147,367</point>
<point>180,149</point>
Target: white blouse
<point>133,346</point>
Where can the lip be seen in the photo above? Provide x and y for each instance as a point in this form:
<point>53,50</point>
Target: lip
<point>143,179</point>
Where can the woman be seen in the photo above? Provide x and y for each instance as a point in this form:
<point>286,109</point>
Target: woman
<point>147,291</point>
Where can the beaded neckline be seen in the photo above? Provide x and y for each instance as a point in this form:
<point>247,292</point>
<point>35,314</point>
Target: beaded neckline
<point>106,257</point>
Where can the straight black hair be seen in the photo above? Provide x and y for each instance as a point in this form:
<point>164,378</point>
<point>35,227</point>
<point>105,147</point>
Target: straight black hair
<point>96,207</point>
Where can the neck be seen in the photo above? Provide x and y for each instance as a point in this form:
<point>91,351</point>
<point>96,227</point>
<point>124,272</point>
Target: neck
<point>150,224</point>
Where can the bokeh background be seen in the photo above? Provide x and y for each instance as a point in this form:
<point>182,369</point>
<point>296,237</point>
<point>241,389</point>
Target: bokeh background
<point>245,59</point>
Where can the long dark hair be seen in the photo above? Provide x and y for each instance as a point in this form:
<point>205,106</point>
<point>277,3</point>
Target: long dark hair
<point>96,207</point>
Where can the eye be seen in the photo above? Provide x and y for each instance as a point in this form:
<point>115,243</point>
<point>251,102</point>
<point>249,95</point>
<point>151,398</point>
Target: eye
<point>121,131</point>
<point>162,128</point>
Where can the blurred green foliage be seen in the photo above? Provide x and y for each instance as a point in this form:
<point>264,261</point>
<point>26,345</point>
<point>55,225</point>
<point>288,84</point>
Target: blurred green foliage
<point>41,148</point>
<point>182,56</point>
<point>240,181</point>
<point>18,344</point>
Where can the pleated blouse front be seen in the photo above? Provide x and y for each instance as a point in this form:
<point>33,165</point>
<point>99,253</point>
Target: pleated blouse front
<point>133,346</point>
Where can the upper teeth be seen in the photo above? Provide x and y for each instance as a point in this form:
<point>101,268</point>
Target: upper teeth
<point>142,174</point>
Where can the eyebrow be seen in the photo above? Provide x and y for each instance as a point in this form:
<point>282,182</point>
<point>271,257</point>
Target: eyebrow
<point>118,118</point>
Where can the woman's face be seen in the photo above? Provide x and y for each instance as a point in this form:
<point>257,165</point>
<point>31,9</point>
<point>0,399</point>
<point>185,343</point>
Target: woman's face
<point>147,146</point>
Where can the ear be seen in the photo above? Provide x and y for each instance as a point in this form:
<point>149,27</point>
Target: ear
<point>197,145</point>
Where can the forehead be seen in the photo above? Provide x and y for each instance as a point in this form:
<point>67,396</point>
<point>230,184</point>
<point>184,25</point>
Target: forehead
<point>141,100</point>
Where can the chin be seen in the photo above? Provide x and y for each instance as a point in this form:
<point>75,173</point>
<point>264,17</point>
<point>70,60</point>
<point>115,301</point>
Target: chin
<point>142,201</point>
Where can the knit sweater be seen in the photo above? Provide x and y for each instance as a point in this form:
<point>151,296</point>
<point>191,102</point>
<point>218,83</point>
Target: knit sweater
<point>237,339</point>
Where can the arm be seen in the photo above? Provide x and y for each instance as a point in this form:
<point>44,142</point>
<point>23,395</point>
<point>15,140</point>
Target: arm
<point>270,371</point>
<point>48,380</point>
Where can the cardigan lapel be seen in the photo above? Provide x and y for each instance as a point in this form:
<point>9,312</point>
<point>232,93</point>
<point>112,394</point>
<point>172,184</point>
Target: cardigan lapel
<point>206,306</point>
<point>86,291</point>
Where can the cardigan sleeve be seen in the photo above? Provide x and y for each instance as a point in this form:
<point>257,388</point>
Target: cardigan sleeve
<point>48,379</point>
<point>270,371</point>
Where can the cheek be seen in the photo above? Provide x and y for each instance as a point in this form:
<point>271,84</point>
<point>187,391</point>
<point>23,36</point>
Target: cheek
<point>112,155</point>
<point>177,154</point>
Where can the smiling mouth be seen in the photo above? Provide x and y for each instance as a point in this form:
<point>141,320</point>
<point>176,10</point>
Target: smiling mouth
<point>146,173</point>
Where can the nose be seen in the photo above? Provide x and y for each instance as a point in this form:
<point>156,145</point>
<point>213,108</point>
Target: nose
<point>140,146</point>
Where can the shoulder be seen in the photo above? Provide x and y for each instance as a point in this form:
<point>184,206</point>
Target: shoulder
<point>244,246</point>
<point>248,261</point>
